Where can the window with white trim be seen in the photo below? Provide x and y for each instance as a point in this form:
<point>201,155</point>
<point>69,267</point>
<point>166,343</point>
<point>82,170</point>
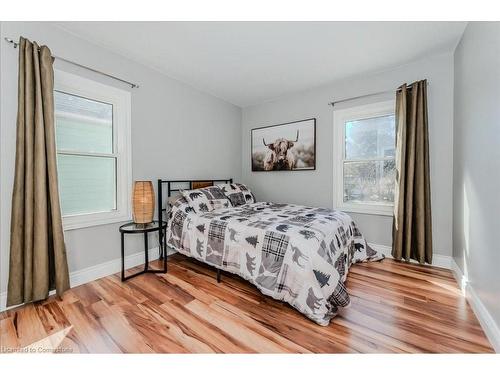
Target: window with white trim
<point>364,153</point>
<point>92,123</point>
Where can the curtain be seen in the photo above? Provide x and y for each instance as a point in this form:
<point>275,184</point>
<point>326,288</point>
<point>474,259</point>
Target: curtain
<point>412,226</point>
<point>37,251</point>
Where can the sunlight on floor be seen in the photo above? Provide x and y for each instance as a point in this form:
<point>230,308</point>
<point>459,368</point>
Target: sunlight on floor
<point>456,291</point>
<point>49,344</point>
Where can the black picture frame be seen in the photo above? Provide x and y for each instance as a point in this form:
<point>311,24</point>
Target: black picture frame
<point>253,156</point>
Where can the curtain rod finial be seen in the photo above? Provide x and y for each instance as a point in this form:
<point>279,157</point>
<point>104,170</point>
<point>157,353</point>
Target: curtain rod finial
<point>11,41</point>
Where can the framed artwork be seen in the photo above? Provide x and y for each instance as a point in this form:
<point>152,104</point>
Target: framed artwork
<point>284,147</point>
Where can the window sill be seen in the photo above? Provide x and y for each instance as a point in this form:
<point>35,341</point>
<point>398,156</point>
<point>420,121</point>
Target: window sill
<point>368,210</point>
<point>92,220</point>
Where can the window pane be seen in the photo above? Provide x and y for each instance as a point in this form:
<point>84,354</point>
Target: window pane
<point>369,182</point>
<point>370,138</point>
<point>82,124</point>
<point>87,184</point>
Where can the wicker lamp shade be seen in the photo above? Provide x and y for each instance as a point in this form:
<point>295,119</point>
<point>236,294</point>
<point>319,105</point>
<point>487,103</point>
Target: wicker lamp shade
<point>143,202</point>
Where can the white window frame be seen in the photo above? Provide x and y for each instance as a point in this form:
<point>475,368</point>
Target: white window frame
<point>340,117</point>
<point>121,100</point>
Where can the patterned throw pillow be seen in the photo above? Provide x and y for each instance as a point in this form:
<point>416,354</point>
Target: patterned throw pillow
<point>177,201</point>
<point>238,194</point>
<point>181,203</point>
<point>206,199</point>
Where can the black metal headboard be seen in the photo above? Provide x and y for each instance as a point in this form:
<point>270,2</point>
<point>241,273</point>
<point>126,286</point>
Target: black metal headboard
<point>173,185</point>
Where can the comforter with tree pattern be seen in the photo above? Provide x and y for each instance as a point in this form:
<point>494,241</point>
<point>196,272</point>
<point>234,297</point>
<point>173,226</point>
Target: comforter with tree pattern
<point>292,253</point>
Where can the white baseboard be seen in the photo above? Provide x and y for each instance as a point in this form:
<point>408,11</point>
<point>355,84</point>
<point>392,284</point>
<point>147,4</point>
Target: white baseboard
<point>487,322</point>
<point>98,271</point>
<point>438,260</point>
<point>108,268</point>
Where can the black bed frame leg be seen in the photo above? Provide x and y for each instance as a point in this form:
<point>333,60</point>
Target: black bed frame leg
<point>218,275</point>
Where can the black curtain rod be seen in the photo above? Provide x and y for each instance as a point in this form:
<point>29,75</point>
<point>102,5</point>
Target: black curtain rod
<point>131,84</point>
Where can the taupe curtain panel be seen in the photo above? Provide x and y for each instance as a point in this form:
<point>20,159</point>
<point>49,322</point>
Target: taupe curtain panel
<point>37,251</point>
<point>412,226</point>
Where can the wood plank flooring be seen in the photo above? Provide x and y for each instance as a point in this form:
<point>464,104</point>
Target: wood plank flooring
<point>396,308</point>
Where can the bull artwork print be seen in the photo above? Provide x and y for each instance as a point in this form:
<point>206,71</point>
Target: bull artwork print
<point>280,156</point>
<point>285,147</point>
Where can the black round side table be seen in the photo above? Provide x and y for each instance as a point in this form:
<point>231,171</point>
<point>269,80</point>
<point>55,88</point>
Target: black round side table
<point>133,228</point>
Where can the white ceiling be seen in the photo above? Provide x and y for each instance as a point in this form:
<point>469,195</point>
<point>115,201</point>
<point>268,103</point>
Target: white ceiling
<point>246,63</point>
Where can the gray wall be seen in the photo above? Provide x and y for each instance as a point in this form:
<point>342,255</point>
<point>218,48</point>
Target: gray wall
<point>177,132</point>
<point>316,187</point>
<point>476,161</point>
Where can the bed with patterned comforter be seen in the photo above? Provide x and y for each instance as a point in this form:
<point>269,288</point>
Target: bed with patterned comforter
<point>292,253</point>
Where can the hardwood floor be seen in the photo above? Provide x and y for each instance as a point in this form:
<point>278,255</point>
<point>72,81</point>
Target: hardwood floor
<point>186,311</point>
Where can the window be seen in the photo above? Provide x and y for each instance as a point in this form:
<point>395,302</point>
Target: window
<point>92,122</point>
<point>364,152</point>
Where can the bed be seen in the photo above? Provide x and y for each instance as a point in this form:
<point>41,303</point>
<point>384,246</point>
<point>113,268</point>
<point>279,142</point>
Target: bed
<point>297,254</point>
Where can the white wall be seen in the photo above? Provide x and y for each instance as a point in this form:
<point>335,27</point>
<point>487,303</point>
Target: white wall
<point>177,132</point>
<point>476,187</point>
<point>316,187</point>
